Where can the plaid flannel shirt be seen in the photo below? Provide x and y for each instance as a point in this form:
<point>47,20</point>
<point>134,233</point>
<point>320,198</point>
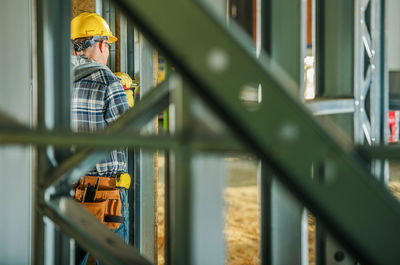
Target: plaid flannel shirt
<point>98,100</point>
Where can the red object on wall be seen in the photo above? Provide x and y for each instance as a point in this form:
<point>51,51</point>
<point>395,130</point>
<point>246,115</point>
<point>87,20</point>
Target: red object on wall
<point>309,23</point>
<point>393,121</point>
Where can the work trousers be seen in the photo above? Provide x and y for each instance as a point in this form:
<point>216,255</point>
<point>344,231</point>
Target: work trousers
<point>81,255</point>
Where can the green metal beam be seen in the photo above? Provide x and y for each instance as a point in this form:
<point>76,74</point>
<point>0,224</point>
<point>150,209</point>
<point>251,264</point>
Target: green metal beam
<point>391,152</point>
<point>200,143</point>
<point>99,141</point>
<point>9,122</point>
<point>180,181</point>
<point>351,203</point>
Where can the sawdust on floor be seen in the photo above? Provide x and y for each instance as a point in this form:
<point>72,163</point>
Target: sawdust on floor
<point>242,225</point>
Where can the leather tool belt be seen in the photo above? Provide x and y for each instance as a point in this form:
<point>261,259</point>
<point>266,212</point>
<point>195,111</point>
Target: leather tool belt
<point>105,203</point>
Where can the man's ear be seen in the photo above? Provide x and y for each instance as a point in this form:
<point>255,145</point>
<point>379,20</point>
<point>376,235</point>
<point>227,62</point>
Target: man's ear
<point>101,46</point>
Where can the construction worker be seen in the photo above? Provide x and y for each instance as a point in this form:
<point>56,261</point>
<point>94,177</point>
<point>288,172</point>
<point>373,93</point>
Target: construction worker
<point>98,99</point>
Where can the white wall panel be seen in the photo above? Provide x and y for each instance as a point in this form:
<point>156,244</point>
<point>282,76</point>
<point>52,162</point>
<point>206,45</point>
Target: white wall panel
<point>15,99</point>
<point>393,35</point>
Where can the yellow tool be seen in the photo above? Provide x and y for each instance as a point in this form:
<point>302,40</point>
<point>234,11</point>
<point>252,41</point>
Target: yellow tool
<point>123,180</point>
<point>126,82</point>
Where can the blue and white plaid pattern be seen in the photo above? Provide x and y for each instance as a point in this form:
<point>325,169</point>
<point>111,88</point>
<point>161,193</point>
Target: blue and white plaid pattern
<point>98,100</point>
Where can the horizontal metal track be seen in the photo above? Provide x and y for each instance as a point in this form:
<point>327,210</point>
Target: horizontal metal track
<point>128,140</point>
<point>331,106</point>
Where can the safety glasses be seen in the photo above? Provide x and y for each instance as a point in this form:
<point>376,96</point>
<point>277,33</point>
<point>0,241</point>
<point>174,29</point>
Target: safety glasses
<point>101,40</point>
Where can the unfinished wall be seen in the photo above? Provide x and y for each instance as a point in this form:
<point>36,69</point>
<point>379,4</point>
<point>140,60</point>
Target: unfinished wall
<point>15,161</point>
<point>393,37</point>
<point>80,6</point>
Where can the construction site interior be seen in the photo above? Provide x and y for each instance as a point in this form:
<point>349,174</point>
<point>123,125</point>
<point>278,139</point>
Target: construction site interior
<point>260,132</point>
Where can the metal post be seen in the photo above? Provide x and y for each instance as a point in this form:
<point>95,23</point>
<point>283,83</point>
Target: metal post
<point>288,48</point>
<point>123,39</point>
<point>180,248</point>
<point>288,38</point>
<point>18,86</point>
<point>207,215</point>
<point>99,7</point>
<point>144,187</point>
<point>334,57</point>
<point>379,86</point>
<point>38,198</point>
<point>108,10</point>
<point>54,81</point>
<point>266,176</point>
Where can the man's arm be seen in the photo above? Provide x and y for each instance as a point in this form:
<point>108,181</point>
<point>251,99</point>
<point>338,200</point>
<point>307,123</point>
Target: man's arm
<point>116,102</point>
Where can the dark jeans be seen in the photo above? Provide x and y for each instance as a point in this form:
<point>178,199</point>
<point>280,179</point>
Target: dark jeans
<point>81,255</point>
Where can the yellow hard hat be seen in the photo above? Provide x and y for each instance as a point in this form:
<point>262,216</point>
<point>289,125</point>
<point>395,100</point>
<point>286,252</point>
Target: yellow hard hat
<point>89,25</point>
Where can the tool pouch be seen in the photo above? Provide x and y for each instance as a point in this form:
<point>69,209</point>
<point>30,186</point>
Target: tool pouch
<point>106,206</point>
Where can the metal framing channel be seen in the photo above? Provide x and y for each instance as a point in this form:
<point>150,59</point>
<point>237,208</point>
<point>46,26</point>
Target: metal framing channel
<point>123,40</point>
<point>331,106</point>
<point>53,72</point>
<point>99,7</point>
<point>369,121</point>
<point>379,91</point>
<point>108,10</point>
<point>216,68</point>
<point>180,249</point>
<point>144,186</point>
<point>266,175</point>
<point>207,181</point>
<point>334,57</point>
<point>288,48</point>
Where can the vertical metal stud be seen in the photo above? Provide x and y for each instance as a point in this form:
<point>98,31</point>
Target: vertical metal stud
<point>144,187</point>
<point>266,218</point>
<point>207,226</point>
<point>379,89</point>
<point>287,48</point>
<point>54,86</point>
<point>335,75</point>
<point>123,39</point>
<point>108,10</point>
<point>180,249</point>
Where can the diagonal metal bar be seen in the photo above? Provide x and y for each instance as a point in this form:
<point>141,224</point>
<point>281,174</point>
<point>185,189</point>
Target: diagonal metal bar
<point>8,122</point>
<point>366,38</point>
<point>366,126</point>
<point>220,67</point>
<point>154,102</point>
<point>78,223</point>
<point>366,84</point>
